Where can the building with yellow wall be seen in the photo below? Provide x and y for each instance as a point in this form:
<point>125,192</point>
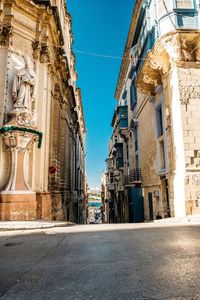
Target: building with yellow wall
<point>42,141</point>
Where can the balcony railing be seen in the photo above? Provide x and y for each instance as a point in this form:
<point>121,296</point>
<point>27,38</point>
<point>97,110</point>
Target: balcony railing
<point>133,176</point>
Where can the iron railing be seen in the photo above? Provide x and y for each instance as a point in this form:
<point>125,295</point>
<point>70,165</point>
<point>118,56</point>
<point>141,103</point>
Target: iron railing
<point>133,176</point>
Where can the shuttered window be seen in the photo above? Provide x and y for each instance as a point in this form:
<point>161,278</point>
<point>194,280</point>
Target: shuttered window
<point>119,155</point>
<point>123,116</point>
<point>133,96</point>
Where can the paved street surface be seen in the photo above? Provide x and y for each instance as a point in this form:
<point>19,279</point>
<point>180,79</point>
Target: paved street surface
<point>118,261</point>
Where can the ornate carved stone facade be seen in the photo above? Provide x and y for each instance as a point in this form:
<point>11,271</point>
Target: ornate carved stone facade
<point>39,102</point>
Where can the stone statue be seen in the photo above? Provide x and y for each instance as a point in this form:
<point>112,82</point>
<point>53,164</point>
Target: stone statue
<point>24,86</point>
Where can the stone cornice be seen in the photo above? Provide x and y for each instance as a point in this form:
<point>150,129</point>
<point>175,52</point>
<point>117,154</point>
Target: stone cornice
<point>48,33</point>
<point>125,61</point>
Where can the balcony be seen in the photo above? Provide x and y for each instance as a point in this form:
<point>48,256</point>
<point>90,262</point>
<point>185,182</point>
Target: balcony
<point>119,155</point>
<point>134,176</point>
<point>111,186</point>
<point>109,164</point>
<point>123,116</point>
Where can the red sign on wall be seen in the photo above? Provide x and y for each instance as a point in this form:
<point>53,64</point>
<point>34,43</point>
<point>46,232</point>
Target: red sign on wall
<point>52,170</point>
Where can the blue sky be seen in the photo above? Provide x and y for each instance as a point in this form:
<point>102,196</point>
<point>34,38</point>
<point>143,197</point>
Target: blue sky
<point>99,26</point>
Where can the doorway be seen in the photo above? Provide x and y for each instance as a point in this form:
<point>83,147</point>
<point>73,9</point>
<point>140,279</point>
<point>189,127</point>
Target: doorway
<point>135,205</point>
<point>150,198</point>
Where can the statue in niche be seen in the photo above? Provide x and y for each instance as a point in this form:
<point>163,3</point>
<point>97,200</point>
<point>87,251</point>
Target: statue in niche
<point>24,86</point>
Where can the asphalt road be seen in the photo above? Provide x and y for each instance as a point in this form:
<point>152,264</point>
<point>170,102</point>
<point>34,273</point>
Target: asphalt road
<point>101,262</point>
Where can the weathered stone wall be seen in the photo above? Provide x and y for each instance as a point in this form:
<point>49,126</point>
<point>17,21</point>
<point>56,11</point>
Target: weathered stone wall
<point>147,153</point>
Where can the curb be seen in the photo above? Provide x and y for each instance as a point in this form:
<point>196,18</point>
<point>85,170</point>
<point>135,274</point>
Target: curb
<point>67,224</point>
<point>190,219</point>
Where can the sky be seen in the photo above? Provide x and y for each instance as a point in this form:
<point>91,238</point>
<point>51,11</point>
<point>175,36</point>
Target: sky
<point>100,27</point>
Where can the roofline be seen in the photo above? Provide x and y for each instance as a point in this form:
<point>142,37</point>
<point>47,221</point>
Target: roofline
<point>125,61</point>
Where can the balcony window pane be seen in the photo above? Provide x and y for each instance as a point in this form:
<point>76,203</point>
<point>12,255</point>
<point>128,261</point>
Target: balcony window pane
<point>159,120</point>
<point>119,154</point>
<point>123,116</point>
<point>184,4</point>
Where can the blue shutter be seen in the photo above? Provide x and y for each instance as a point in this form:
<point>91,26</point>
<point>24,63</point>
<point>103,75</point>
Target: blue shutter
<point>119,155</point>
<point>133,96</point>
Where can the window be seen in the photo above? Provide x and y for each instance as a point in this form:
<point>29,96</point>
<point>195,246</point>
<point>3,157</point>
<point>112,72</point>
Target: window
<point>159,120</point>
<point>124,97</point>
<point>123,116</point>
<point>160,137</point>
<point>131,73</point>
<point>133,95</point>
<point>184,4</point>
<point>111,177</point>
<point>119,155</point>
<point>136,148</point>
<point>127,155</point>
<point>136,139</point>
<point>161,152</point>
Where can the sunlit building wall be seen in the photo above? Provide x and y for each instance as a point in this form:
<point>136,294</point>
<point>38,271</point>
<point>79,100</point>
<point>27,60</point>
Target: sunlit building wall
<point>158,94</point>
<point>41,30</point>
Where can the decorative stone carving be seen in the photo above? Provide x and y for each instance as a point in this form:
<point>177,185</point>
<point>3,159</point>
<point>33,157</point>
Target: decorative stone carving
<point>161,64</point>
<point>168,49</point>
<point>1,28</point>
<point>178,48</point>
<point>24,86</point>
<point>196,178</point>
<point>44,53</point>
<point>187,54</point>
<point>172,45</point>
<point>26,119</point>
<point>5,34</point>
<point>36,49</point>
<point>194,161</point>
<point>150,80</point>
<point>188,89</point>
<point>18,141</point>
<point>197,49</point>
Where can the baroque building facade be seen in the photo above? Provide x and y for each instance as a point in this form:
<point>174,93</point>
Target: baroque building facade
<point>154,153</point>
<point>42,140</point>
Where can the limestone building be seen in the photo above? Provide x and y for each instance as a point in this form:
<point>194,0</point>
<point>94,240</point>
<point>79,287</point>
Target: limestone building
<point>157,116</point>
<point>42,140</point>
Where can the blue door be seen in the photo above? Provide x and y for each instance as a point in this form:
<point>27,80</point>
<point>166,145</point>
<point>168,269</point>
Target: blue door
<point>136,205</point>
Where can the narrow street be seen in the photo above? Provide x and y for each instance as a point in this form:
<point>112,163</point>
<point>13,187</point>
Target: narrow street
<point>118,261</point>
